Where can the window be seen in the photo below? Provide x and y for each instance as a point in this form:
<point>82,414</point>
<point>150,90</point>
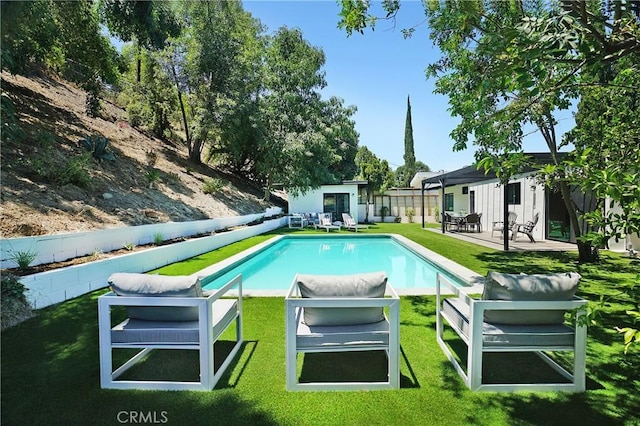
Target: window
<point>513,193</point>
<point>448,202</point>
<point>465,190</point>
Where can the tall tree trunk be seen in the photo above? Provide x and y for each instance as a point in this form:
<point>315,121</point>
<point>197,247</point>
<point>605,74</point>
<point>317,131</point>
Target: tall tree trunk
<point>586,252</point>
<point>267,189</point>
<point>184,116</point>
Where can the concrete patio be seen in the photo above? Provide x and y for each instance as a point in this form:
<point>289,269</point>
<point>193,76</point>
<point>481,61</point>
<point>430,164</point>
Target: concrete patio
<point>522,243</point>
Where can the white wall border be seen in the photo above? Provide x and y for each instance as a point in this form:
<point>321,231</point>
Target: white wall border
<point>55,286</point>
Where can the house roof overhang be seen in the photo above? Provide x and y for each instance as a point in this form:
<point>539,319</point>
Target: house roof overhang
<point>471,174</point>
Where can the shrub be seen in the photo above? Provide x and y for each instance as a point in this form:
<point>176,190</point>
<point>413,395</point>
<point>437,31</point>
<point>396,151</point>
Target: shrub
<point>211,185</point>
<point>99,147</point>
<point>14,305</point>
<point>74,172</point>
<point>129,246</point>
<point>23,258</point>
<point>158,238</point>
<point>410,213</point>
<point>152,176</point>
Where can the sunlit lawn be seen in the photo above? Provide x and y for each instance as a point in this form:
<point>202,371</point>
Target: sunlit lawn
<point>50,369</point>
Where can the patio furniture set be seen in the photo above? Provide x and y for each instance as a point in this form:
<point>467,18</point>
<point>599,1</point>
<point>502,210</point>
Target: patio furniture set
<point>343,313</point>
<point>473,222</point>
<point>323,221</point>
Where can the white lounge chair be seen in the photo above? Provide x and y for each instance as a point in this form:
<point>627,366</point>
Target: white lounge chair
<point>167,313</point>
<point>517,313</point>
<point>327,313</point>
<point>526,228</point>
<point>499,226</point>
<point>350,223</point>
<point>325,222</point>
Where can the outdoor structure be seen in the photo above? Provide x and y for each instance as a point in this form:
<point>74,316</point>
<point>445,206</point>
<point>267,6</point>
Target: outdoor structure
<point>346,197</point>
<point>469,190</point>
<point>351,197</point>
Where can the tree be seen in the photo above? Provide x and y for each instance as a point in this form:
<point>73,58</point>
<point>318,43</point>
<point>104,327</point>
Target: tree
<point>403,177</point>
<point>377,173</point>
<point>409,154</point>
<point>62,36</point>
<point>149,23</point>
<point>507,65</point>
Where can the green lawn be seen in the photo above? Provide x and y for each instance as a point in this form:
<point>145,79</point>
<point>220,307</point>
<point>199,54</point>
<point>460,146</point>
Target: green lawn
<point>50,369</point>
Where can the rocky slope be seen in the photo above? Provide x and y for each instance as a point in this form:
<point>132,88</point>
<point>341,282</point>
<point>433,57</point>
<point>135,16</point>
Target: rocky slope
<point>150,180</point>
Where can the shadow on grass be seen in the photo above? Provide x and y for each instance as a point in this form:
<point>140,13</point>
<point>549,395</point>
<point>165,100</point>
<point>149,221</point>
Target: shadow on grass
<point>50,374</point>
<point>356,366</point>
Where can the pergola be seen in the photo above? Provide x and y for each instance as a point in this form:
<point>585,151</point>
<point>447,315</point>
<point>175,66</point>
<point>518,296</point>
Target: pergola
<point>469,174</point>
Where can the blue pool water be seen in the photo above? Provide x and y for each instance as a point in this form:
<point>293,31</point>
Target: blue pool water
<point>274,267</point>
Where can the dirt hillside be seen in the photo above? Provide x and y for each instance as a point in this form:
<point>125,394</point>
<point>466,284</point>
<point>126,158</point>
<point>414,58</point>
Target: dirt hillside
<point>150,180</point>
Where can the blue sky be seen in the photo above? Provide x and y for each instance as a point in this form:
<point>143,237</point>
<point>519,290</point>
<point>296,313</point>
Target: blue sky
<point>376,72</point>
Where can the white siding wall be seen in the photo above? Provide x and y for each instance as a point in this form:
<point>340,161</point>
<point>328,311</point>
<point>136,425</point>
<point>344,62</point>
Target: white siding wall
<point>311,201</point>
<point>489,197</point>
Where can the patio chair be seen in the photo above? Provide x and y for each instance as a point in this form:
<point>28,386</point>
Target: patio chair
<point>517,313</point>
<point>325,222</point>
<point>350,223</point>
<point>526,228</point>
<point>472,221</point>
<point>342,313</point>
<point>499,225</point>
<point>450,222</point>
<point>167,313</point>
<point>297,220</point>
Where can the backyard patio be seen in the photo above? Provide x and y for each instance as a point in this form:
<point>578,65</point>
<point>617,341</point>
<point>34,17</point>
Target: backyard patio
<point>50,365</point>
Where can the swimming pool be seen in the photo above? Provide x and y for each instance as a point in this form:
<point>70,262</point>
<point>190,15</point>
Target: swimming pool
<point>269,268</point>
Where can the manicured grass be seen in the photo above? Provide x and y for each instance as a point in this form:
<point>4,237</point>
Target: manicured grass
<point>50,369</point>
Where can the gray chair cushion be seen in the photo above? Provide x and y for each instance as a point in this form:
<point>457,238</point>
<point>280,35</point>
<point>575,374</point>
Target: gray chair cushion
<point>327,286</point>
<point>551,287</point>
<point>145,285</point>
<point>509,335</point>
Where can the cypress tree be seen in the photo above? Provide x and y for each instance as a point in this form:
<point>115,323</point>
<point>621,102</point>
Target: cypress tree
<point>409,154</point>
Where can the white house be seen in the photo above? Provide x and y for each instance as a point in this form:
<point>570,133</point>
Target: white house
<point>347,197</point>
<point>469,190</point>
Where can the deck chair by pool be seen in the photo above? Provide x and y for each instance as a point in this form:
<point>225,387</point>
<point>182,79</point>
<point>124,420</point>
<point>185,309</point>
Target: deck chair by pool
<point>325,222</point>
<point>167,313</point>
<point>517,313</point>
<point>499,226</point>
<point>341,313</point>
<point>526,228</point>
<point>350,223</point>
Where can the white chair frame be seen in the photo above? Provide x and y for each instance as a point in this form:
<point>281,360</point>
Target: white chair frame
<point>215,315</point>
<point>329,341</point>
<point>350,223</point>
<point>472,375</point>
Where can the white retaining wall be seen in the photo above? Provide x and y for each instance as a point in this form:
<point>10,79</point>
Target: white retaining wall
<point>48,288</point>
<point>59,247</point>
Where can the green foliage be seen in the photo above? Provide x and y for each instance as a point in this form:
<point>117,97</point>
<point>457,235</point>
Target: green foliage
<point>129,246</point>
<point>14,305</point>
<point>152,176</point>
<point>98,146</point>
<point>409,154</point>
<point>212,185</point>
<point>158,238</point>
<point>410,212</point>
<point>11,130</point>
<point>150,23</point>
<point>73,172</point>
<point>377,173</point>
<point>22,258</point>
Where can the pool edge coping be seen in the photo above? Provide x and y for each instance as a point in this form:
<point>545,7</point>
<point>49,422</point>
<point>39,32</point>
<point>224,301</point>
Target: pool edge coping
<point>475,281</point>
